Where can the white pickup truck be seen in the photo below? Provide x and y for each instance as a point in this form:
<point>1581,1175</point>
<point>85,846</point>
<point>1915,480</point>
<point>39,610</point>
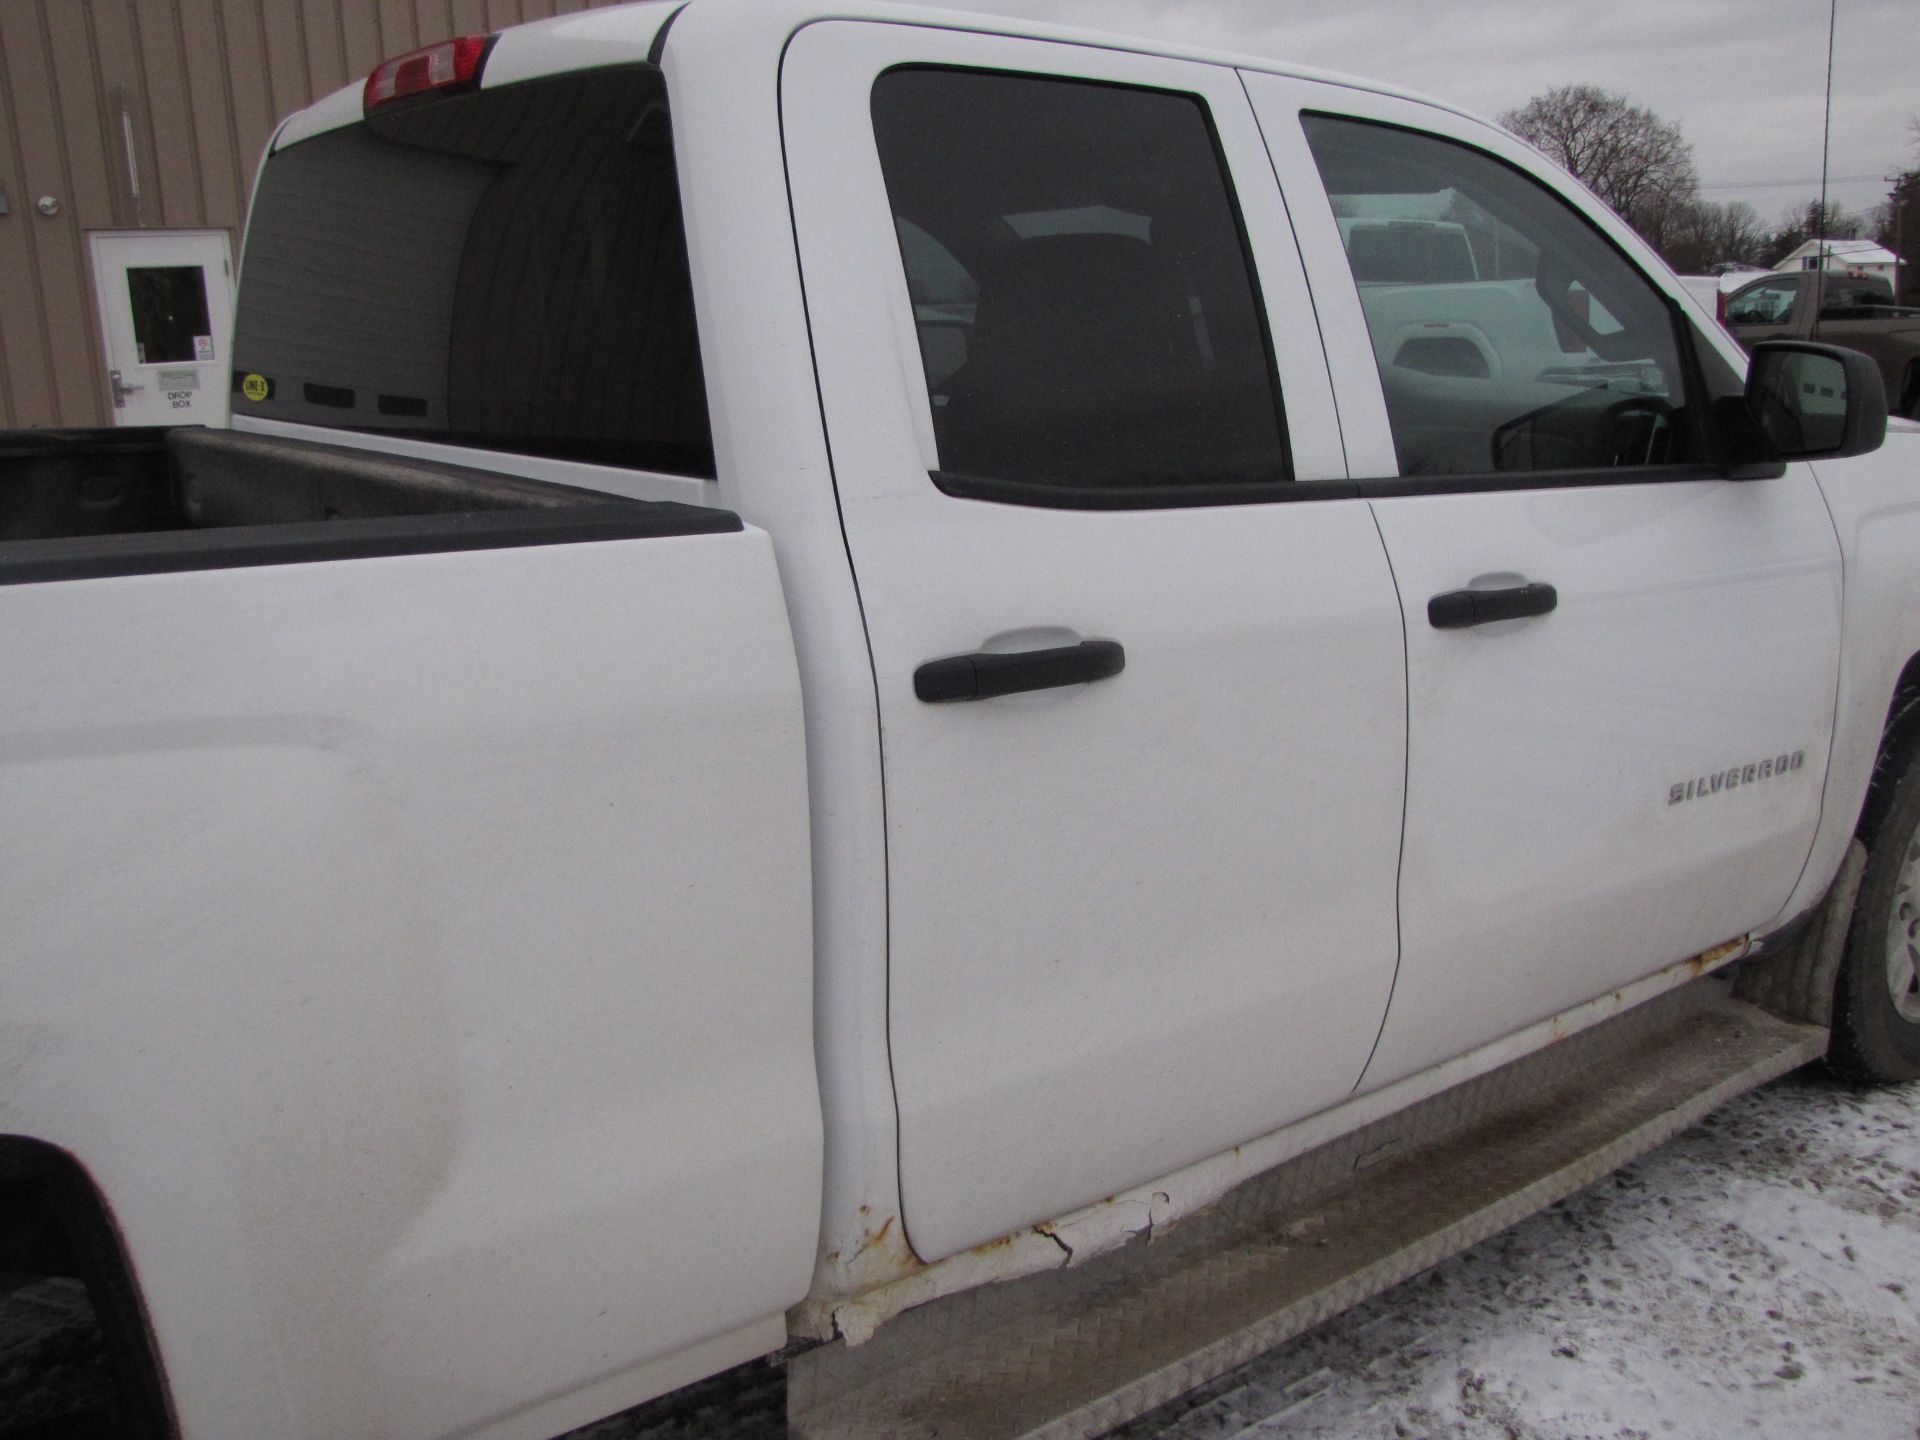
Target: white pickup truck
<point>841,654</point>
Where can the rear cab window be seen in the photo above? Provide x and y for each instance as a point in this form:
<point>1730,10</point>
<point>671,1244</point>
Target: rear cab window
<point>503,269</point>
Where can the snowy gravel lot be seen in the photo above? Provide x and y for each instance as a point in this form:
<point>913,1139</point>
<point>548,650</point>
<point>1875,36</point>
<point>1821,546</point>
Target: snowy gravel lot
<point>1758,1276</point>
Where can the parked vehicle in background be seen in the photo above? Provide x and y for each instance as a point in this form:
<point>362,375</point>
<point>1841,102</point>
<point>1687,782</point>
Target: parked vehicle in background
<point>1408,251</point>
<point>1857,311</point>
<point>1704,288</point>
<point>843,663</point>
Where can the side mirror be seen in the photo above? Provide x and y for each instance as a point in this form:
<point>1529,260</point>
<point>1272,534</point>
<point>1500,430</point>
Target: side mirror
<point>1816,402</point>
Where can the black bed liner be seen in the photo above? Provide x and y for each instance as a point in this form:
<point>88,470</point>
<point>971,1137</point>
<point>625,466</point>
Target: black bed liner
<point>87,504</point>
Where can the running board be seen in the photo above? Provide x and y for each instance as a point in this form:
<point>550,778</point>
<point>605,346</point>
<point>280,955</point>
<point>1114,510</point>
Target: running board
<point>1076,1351</point>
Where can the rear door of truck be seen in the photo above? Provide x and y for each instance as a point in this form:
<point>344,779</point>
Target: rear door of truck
<point>1143,911</point>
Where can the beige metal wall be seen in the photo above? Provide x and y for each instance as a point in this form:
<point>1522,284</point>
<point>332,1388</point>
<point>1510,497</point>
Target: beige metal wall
<point>151,114</point>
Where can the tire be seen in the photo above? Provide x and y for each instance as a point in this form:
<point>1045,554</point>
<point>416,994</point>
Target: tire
<point>1876,1007</point>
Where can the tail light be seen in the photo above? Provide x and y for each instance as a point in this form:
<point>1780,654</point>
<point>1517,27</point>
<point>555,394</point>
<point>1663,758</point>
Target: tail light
<point>1720,307</point>
<point>450,65</point>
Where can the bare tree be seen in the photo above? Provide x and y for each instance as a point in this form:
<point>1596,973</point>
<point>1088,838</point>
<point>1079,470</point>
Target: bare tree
<point>1638,163</point>
<point>1704,234</point>
<point>1808,222</point>
<point>1898,229</point>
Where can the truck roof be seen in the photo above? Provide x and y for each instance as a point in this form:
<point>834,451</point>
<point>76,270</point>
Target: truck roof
<point>626,34</point>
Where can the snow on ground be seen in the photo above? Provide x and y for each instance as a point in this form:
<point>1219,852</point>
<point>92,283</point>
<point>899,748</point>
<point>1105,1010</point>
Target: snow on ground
<point>1758,1276</point>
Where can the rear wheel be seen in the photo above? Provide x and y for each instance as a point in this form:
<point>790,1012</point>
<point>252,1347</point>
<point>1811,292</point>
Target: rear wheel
<point>76,1356</point>
<point>1876,1008</point>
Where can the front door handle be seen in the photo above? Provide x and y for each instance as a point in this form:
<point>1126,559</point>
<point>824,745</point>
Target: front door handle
<point>983,675</point>
<point>1457,609</point>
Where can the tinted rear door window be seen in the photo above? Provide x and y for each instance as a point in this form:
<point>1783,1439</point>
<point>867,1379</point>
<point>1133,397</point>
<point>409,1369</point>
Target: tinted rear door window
<point>1087,314</point>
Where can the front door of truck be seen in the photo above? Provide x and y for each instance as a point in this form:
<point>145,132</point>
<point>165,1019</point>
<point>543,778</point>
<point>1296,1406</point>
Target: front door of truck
<point>1621,665</point>
<point>1143,911</point>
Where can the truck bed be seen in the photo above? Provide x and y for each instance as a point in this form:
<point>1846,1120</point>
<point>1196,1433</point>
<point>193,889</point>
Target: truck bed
<point>434,920</point>
<point>87,503</point>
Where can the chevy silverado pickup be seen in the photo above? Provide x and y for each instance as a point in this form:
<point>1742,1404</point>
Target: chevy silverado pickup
<point>914,694</point>
<point>1856,311</point>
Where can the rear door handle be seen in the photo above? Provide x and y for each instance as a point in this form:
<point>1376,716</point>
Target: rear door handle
<point>982,675</point>
<point>1457,609</point>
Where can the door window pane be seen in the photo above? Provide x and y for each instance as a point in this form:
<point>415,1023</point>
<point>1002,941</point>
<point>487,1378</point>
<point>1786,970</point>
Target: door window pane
<point>1510,335</point>
<point>1769,303</point>
<point>1087,316</point>
<point>169,313</point>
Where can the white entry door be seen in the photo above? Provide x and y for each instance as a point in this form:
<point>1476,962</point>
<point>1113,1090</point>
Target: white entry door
<point>166,318</point>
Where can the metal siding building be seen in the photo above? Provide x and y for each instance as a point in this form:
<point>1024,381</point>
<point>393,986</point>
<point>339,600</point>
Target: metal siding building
<point>148,117</point>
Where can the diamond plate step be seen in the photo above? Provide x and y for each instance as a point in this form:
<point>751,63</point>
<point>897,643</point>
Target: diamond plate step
<point>1077,1351</point>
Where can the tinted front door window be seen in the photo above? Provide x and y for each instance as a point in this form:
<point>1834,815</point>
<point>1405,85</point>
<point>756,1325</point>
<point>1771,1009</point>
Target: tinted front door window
<point>1510,335</point>
<point>1769,303</point>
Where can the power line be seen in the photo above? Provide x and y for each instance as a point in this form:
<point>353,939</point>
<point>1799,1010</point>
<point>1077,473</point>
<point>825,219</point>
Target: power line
<point>1781,184</point>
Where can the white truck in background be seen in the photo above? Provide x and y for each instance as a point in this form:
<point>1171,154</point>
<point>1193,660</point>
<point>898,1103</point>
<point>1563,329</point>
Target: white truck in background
<point>837,656</point>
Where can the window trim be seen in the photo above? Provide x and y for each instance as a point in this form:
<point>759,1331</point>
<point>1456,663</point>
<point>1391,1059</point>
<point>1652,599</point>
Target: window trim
<point>1386,487</point>
<point>1139,497</point>
<point>1036,495</point>
<point>1389,487</point>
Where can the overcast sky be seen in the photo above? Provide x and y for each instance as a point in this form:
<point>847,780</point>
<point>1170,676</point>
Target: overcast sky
<point>1745,80</point>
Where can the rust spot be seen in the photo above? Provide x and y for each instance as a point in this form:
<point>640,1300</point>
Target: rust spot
<point>883,1254</point>
<point>993,1246</point>
<point>1707,959</point>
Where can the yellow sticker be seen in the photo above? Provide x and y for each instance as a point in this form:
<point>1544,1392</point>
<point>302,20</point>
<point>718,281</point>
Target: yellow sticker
<point>256,388</point>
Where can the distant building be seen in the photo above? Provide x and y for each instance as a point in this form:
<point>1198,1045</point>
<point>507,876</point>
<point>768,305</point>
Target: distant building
<point>129,135</point>
<point>1861,257</point>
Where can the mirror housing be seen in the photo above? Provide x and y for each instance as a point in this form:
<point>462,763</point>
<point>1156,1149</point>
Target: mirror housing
<point>1815,402</point>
